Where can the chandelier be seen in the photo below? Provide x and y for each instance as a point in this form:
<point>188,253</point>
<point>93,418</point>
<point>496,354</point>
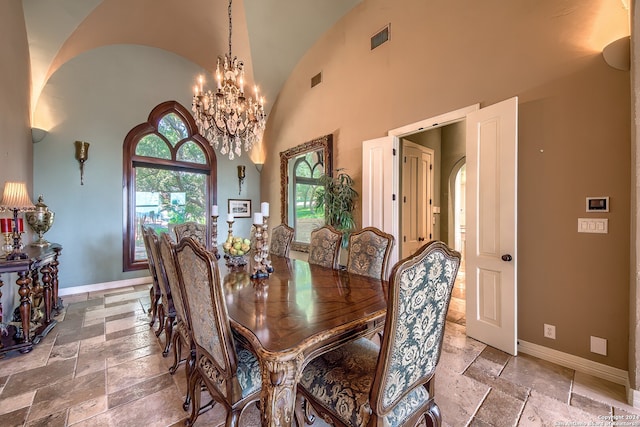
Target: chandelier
<point>227,118</point>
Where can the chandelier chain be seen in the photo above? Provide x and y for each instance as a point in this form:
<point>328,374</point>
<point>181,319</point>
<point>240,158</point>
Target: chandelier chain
<point>230,25</point>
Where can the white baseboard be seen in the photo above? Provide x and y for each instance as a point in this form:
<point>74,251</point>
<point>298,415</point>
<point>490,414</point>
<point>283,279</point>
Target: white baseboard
<point>104,286</point>
<point>580,364</point>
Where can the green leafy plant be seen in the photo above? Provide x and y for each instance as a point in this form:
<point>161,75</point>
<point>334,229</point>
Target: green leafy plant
<point>336,197</point>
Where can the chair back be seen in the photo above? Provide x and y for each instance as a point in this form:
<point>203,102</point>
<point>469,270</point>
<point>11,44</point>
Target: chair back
<point>419,293</point>
<point>167,255</point>
<point>191,229</point>
<point>152,240</point>
<point>324,247</point>
<point>281,238</point>
<point>208,316</point>
<point>150,260</point>
<point>369,252</point>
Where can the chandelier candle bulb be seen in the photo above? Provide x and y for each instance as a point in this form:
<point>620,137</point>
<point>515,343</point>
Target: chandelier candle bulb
<point>230,217</point>
<point>265,209</point>
<point>214,210</point>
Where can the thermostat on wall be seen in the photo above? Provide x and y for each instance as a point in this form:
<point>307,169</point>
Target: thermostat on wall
<point>597,204</point>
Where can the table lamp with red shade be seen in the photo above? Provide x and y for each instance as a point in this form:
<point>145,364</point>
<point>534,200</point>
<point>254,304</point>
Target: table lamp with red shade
<point>16,198</point>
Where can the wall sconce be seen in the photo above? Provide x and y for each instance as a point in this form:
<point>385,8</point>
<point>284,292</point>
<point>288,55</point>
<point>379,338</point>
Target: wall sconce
<point>241,176</point>
<point>38,134</point>
<point>617,54</point>
<point>259,167</point>
<point>82,155</point>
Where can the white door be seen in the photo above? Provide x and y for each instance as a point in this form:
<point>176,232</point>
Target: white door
<point>416,197</point>
<point>379,187</point>
<point>491,250</point>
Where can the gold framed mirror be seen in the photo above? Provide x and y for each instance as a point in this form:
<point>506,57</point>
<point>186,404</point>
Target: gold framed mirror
<point>300,167</point>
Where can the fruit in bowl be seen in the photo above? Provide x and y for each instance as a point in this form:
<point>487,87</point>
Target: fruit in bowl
<point>236,246</point>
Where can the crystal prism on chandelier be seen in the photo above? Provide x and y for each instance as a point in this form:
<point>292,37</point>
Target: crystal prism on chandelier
<point>227,118</point>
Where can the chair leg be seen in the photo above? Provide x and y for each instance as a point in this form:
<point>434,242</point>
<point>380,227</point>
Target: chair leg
<point>168,334</point>
<point>154,298</point>
<point>232,418</point>
<point>177,354</point>
<point>190,371</point>
<point>161,320</point>
<point>195,392</point>
<point>433,417</point>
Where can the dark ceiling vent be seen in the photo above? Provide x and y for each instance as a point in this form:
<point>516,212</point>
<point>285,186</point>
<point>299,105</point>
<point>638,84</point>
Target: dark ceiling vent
<point>380,37</point>
<point>316,80</point>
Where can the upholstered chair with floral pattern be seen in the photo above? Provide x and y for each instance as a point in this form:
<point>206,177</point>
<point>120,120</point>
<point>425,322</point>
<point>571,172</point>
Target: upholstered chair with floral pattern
<point>191,229</point>
<point>230,373</point>
<point>362,384</point>
<point>369,251</point>
<point>281,238</point>
<point>182,329</point>
<point>324,246</point>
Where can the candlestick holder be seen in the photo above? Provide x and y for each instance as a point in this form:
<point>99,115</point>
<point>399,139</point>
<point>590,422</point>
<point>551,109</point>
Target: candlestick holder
<point>214,236</point>
<point>258,265</point>
<point>266,255</point>
<point>230,232</point>
<point>7,247</point>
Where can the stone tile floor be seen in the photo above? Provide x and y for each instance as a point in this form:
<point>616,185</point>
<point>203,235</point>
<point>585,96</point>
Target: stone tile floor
<point>102,366</point>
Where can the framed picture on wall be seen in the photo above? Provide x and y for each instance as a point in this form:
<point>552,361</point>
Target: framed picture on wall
<point>240,208</point>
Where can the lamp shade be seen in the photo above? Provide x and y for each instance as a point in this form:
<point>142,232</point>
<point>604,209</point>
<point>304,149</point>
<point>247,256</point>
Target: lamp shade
<point>15,196</point>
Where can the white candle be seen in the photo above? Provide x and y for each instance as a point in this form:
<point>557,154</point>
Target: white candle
<point>230,217</point>
<point>265,209</point>
<point>214,210</point>
<point>257,218</point>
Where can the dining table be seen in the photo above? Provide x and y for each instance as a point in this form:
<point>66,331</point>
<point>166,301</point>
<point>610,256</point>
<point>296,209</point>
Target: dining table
<point>298,312</point>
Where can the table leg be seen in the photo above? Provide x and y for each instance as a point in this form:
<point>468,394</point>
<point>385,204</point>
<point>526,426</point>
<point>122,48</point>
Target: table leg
<point>57,305</point>
<point>46,291</point>
<point>25,304</point>
<point>279,380</point>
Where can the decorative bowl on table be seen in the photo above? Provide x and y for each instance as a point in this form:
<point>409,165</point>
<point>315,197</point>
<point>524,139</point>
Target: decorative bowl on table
<point>236,250</point>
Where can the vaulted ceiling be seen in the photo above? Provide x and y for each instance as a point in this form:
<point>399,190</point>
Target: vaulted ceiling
<point>270,36</point>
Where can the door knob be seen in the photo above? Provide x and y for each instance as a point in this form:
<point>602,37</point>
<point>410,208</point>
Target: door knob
<point>420,239</point>
<point>507,257</point>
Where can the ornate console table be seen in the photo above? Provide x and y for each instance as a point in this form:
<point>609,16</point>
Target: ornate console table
<point>38,291</point>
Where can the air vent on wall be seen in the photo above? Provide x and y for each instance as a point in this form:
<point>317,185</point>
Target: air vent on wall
<point>316,80</point>
<point>380,37</point>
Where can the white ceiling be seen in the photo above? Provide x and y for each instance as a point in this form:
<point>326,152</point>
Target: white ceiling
<point>269,35</point>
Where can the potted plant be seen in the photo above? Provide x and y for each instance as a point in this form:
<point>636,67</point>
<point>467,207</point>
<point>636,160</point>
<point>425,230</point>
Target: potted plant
<point>337,198</point>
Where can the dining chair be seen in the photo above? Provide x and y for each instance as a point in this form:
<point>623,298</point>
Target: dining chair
<point>230,372</point>
<point>154,292</point>
<point>324,246</point>
<point>166,311</point>
<point>363,384</point>
<point>182,329</point>
<point>191,229</point>
<point>281,238</point>
<point>369,252</point>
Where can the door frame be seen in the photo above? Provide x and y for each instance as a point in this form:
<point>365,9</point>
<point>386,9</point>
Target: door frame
<point>407,130</point>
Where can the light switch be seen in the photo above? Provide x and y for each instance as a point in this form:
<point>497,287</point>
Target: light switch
<point>593,225</point>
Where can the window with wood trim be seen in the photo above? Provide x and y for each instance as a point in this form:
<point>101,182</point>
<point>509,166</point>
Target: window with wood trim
<point>169,177</point>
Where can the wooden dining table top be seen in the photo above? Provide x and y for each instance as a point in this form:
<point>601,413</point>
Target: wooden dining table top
<point>300,305</point>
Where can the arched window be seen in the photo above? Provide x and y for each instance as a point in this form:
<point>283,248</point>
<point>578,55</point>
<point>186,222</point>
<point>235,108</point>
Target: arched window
<point>307,170</point>
<point>169,177</point>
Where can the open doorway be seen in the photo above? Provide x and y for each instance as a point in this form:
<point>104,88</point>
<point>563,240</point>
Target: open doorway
<point>436,199</point>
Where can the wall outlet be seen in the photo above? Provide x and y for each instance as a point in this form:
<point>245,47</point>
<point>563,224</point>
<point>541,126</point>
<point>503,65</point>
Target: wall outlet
<point>550,331</point>
<point>599,345</point>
